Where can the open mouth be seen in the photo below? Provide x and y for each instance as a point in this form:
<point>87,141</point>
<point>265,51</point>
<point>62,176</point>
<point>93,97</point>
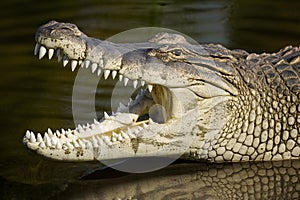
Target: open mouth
<point>150,106</point>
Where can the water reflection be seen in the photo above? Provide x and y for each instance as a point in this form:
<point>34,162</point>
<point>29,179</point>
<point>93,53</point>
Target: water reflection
<point>38,94</point>
<point>257,180</point>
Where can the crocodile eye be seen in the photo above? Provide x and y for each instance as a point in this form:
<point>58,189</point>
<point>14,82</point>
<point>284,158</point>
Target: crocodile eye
<point>176,52</point>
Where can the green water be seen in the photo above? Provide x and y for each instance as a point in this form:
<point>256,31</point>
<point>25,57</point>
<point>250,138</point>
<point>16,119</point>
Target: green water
<point>37,94</point>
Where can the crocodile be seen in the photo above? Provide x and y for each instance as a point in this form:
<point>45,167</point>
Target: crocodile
<point>197,102</point>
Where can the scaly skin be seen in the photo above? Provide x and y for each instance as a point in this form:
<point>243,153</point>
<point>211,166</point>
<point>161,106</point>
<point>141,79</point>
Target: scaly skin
<point>220,105</point>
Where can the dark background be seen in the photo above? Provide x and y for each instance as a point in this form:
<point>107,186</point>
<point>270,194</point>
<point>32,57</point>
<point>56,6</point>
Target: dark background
<point>37,94</point>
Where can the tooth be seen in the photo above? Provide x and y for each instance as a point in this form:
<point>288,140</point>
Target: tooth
<point>145,125</point>
<point>113,139</point>
<point>142,83</point>
<point>135,82</point>
<point>94,142</point>
<point>107,141</point>
<point>76,145</point>
<point>87,63</point>
<point>150,87</point>
<point>124,135</point>
<point>75,132</point>
<point>114,74</point>
<point>57,133</point>
<point>73,65</point>
<point>94,67</point>
<point>81,144</point>
<point>58,54</point>
<point>99,72</point>
<point>50,53</point>
<point>63,131</point>
<point>28,134</point>
<point>119,137</point>
<point>53,141</point>
<point>39,138</point>
<point>100,141</point>
<point>36,49</point>
<point>69,145</point>
<point>120,77</point>
<point>96,122</point>
<point>46,137</point>
<point>32,137</point>
<point>50,133</point>
<point>48,143</point>
<point>125,81</point>
<point>42,145</point>
<point>58,145</point>
<point>88,144</point>
<point>65,61</point>
<point>106,73</point>
<point>130,100</point>
<point>106,116</point>
<point>130,134</point>
<point>42,52</point>
<point>151,121</point>
<point>80,127</point>
<point>80,62</point>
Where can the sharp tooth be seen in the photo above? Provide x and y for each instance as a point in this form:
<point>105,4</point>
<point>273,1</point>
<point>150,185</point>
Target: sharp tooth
<point>96,122</point>
<point>106,73</point>
<point>32,137</point>
<point>57,133</point>
<point>58,54</point>
<point>107,141</point>
<point>42,145</point>
<point>58,145</point>
<point>99,72</point>
<point>87,63</point>
<point>48,143</point>
<point>113,139</point>
<point>63,131</point>
<point>42,52</point>
<point>50,133</point>
<point>65,61</point>
<point>151,121</point>
<point>94,142</point>
<point>120,77</point>
<point>100,141</point>
<point>124,135</point>
<point>142,83</point>
<point>114,74</point>
<point>106,116</point>
<point>81,144</point>
<point>39,138</point>
<point>135,82</point>
<point>53,141</point>
<point>73,65</point>
<point>69,145</point>
<point>150,87</point>
<point>36,49</point>
<point>80,62</point>
<point>125,81</point>
<point>94,67</point>
<point>119,137</point>
<point>76,145</point>
<point>80,127</point>
<point>50,53</point>
<point>46,137</point>
<point>145,125</point>
<point>28,134</point>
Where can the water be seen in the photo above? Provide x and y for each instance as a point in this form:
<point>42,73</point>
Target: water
<point>37,94</point>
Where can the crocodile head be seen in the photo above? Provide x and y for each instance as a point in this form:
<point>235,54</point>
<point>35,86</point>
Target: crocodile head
<point>197,101</point>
